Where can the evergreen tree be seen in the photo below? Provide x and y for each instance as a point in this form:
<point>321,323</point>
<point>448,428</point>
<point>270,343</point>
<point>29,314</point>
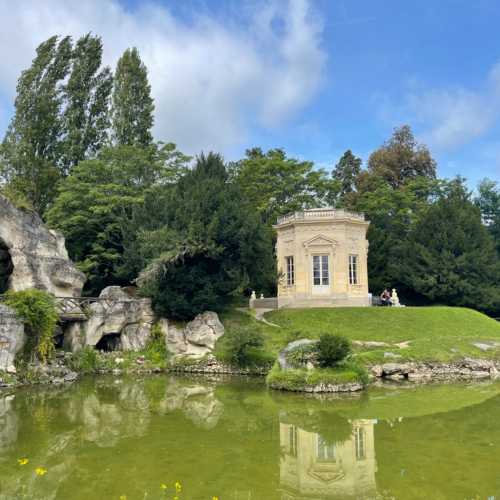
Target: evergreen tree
<point>31,147</point>
<point>450,258</point>
<point>489,204</point>
<point>209,246</point>
<point>346,173</point>
<point>133,106</point>
<point>87,93</point>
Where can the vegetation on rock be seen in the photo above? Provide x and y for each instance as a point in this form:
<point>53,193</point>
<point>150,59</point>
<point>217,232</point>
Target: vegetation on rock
<point>37,309</point>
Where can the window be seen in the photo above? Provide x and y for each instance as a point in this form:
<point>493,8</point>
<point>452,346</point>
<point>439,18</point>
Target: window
<point>325,451</point>
<point>353,269</point>
<point>290,271</point>
<point>321,274</point>
<point>359,442</point>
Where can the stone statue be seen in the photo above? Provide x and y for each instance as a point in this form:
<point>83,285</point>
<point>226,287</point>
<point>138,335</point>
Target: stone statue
<point>261,295</point>
<point>253,296</point>
<point>395,298</point>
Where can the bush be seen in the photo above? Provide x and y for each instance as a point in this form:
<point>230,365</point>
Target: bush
<point>242,346</point>
<point>332,349</point>
<point>156,349</point>
<point>38,311</point>
<point>85,361</point>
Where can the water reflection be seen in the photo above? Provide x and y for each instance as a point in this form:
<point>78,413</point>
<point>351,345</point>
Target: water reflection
<point>236,440</point>
<point>314,465</point>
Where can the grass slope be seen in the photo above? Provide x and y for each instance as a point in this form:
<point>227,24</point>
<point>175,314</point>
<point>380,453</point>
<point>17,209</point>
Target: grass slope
<point>434,333</point>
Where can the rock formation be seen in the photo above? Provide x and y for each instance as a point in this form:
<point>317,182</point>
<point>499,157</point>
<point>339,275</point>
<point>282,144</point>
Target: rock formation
<point>12,338</point>
<point>117,322</point>
<point>197,339</point>
<point>32,256</point>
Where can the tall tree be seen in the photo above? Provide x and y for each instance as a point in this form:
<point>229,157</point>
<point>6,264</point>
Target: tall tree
<point>133,106</point>
<point>31,147</point>
<point>401,159</point>
<point>95,205</point>
<point>209,245</point>
<point>86,94</point>
<point>275,184</point>
<point>450,257</point>
<point>488,201</point>
<point>346,173</point>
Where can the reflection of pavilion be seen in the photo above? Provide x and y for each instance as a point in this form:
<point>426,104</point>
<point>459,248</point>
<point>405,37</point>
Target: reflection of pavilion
<point>313,468</point>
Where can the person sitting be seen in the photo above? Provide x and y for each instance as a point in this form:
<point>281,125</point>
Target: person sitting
<point>385,297</point>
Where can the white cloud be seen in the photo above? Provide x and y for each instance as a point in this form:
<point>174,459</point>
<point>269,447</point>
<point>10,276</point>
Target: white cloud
<point>449,117</point>
<point>211,80</point>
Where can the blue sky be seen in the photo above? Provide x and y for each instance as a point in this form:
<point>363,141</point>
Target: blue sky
<point>314,77</point>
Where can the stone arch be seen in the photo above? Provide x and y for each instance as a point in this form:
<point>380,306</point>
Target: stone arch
<point>6,267</point>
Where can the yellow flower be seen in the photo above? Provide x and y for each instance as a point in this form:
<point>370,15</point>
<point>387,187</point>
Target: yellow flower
<point>22,461</point>
<point>40,471</point>
<point>123,497</point>
<point>163,486</point>
<point>178,487</point>
<point>215,498</point>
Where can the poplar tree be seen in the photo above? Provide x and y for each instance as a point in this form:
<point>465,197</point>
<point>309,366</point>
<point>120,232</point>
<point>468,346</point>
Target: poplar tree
<point>133,106</point>
<point>87,94</point>
<point>31,146</point>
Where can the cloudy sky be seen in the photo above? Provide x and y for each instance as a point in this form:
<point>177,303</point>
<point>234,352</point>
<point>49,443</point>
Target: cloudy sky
<point>315,77</point>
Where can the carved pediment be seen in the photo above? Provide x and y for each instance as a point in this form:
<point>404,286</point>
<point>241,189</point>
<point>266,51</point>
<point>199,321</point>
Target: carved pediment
<point>320,240</point>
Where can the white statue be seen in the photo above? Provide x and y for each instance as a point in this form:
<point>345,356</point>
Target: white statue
<point>394,298</point>
<point>253,296</point>
<point>261,295</point>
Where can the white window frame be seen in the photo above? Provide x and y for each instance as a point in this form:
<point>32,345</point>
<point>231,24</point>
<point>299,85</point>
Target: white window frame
<point>290,270</point>
<point>323,268</point>
<point>353,269</point>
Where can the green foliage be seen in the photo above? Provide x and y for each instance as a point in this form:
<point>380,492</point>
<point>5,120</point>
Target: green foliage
<point>85,119</point>
<point>401,159</point>
<point>37,309</point>
<point>95,206</point>
<point>85,361</point>
<point>346,173</point>
<point>299,357</point>
<point>156,350</point>
<point>209,245</point>
<point>243,347</point>
<point>450,257</point>
<point>274,184</point>
<point>332,349</point>
<point>299,379</point>
<point>132,102</point>
<point>488,201</point>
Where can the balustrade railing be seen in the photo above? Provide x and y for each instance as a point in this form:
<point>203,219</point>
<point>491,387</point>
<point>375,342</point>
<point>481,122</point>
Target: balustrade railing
<point>321,213</point>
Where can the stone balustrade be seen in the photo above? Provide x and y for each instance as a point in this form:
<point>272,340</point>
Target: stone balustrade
<point>321,213</point>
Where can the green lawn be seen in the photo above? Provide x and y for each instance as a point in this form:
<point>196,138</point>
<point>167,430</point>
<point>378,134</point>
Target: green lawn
<point>432,333</point>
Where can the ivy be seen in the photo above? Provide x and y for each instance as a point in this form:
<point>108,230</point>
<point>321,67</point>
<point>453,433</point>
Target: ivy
<point>37,309</point>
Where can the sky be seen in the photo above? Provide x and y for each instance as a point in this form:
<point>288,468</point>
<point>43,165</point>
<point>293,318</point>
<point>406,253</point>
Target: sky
<point>315,77</point>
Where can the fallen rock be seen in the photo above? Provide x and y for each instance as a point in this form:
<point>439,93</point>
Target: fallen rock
<point>197,339</point>
<point>282,355</point>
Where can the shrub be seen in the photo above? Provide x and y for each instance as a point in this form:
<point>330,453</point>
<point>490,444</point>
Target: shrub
<point>242,346</point>
<point>156,349</point>
<point>332,349</point>
<point>299,357</point>
<point>85,361</point>
<point>37,309</point>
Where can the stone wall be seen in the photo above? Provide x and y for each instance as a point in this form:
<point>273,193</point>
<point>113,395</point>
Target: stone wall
<point>12,338</point>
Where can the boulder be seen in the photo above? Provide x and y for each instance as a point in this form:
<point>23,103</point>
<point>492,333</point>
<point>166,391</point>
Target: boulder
<point>12,338</point>
<point>120,315</point>
<point>197,338</point>
<point>283,362</point>
<point>32,256</point>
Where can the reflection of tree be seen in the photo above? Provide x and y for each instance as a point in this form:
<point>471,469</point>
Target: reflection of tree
<point>8,424</point>
<point>329,458</point>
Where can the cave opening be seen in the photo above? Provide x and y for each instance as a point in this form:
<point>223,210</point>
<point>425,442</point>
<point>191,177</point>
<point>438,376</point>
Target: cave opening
<point>6,267</point>
<point>109,342</point>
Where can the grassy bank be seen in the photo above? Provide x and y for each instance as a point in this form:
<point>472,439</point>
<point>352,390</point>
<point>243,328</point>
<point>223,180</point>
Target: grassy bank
<point>438,334</point>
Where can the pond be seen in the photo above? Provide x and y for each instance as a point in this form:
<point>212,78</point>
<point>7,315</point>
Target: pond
<point>119,438</point>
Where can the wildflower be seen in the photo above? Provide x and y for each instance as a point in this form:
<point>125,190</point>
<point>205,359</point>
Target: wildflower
<point>40,471</point>
<point>215,498</point>
<point>163,486</point>
<point>178,487</point>
<point>123,497</point>
<point>22,461</point>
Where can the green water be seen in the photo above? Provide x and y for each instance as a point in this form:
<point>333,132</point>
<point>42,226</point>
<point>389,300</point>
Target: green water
<point>111,438</point>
